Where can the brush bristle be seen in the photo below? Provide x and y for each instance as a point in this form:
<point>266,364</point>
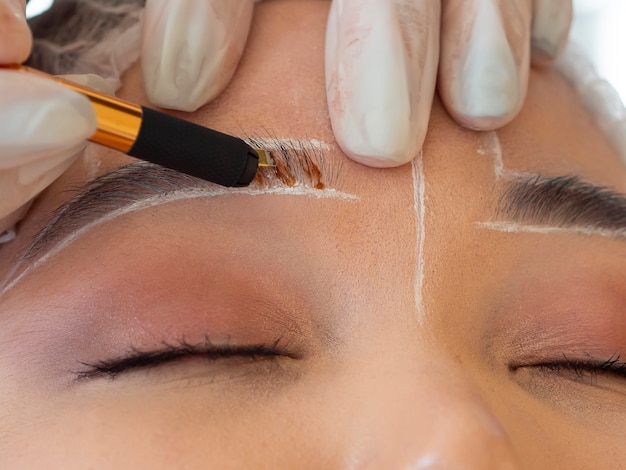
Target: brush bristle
<point>265,158</point>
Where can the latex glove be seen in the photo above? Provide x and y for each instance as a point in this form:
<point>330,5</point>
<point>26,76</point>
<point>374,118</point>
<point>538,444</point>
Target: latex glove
<point>383,58</point>
<point>191,48</point>
<point>43,126</point>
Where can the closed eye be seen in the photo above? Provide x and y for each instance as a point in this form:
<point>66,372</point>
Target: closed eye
<point>168,353</point>
<point>587,368</point>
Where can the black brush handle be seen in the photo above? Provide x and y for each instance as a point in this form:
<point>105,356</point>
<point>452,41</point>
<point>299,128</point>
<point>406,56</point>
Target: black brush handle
<point>195,150</point>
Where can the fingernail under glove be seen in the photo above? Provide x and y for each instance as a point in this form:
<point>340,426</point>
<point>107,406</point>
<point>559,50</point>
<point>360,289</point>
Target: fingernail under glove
<point>550,29</point>
<point>191,49</point>
<point>380,77</point>
<point>485,60</point>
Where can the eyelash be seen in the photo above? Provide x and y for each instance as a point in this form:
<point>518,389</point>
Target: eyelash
<point>137,359</point>
<point>589,367</point>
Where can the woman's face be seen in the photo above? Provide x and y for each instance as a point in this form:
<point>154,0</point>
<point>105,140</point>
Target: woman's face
<point>464,311</point>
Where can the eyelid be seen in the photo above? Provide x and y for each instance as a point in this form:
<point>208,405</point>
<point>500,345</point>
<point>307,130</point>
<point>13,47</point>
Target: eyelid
<point>168,353</point>
<point>581,360</point>
<point>586,369</point>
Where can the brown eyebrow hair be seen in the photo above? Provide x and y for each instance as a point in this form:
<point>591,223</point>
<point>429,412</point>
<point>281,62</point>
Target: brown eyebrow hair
<point>307,164</point>
<point>562,201</point>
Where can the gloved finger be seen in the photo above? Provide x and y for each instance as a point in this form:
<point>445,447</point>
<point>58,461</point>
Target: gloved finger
<point>381,68</point>
<point>191,49</point>
<point>16,39</point>
<point>43,126</point>
<point>550,27</point>
<point>485,59</point>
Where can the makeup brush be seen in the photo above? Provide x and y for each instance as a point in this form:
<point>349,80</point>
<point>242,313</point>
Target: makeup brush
<point>168,141</point>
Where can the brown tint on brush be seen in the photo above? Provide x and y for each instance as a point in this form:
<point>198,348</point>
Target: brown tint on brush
<point>293,165</point>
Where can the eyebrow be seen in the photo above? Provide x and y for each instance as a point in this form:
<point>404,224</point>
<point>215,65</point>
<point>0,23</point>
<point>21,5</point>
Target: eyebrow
<point>306,165</point>
<point>563,202</point>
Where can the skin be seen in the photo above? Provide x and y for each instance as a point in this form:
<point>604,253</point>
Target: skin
<point>377,382</point>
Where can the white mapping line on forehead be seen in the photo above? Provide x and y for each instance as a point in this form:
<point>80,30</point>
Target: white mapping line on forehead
<point>514,227</point>
<point>490,147</point>
<point>419,205</point>
<point>290,143</point>
<point>181,195</point>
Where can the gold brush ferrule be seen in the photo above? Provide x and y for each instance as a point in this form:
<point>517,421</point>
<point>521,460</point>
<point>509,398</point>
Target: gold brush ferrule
<point>119,121</point>
<point>265,157</point>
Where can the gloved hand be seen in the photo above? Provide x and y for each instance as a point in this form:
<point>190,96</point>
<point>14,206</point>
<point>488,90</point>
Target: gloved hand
<point>383,59</point>
<point>382,63</point>
<point>43,126</point>
<point>190,51</point>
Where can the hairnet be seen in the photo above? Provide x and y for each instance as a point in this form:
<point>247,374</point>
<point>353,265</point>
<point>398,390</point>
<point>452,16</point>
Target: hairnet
<point>88,36</point>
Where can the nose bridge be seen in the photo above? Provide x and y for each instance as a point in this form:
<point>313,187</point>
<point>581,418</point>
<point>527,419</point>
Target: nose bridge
<point>432,422</point>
